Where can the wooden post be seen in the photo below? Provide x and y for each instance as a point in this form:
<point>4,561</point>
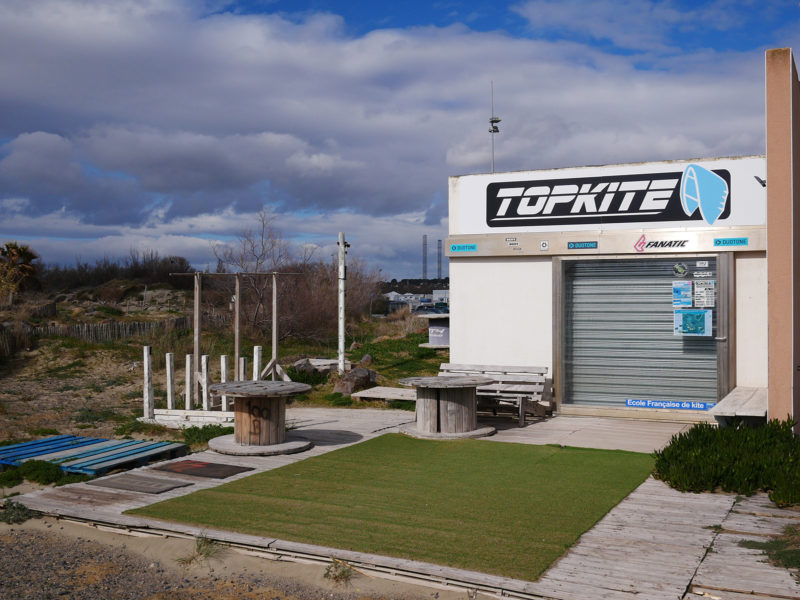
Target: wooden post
<point>187,392</point>
<point>243,368</point>
<point>223,378</point>
<point>257,351</point>
<point>147,396</point>
<point>274,324</point>
<point>170,381</point>
<point>196,363</point>
<point>204,381</point>
<point>237,312</point>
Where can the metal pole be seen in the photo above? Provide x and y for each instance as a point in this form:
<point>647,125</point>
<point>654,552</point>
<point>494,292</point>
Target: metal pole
<point>237,306</point>
<point>195,385</point>
<point>342,277</point>
<point>274,322</point>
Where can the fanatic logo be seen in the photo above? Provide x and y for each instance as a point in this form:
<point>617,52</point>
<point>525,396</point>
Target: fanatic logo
<point>639,245</point>
<point>695,194</point>
<point>642,244</point>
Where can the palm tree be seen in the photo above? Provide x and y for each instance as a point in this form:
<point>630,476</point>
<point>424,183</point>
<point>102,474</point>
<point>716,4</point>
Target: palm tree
<point>17,268</point>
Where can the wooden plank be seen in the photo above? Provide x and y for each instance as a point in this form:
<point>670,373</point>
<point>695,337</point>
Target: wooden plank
<point>492,368</point>
<point>742,402</point>
<point>386,393</point>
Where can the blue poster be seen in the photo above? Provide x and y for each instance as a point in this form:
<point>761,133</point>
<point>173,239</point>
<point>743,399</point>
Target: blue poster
<point>696,322</point>
<point>681,294</point>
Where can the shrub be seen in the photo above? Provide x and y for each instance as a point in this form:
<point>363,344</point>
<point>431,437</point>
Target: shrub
<point>201,435</point>
<point>14,512</point>
<point>313,378</point>
<point>738,458</point>
<point>10,477</point>
<point>40,471</point>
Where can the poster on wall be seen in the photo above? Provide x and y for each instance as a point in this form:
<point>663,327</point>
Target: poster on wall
<point>681,294</point>
<point>705,293</point>
<point>692,322</point>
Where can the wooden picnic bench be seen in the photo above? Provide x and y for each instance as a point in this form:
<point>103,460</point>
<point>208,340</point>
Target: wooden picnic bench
<point>522,390</point>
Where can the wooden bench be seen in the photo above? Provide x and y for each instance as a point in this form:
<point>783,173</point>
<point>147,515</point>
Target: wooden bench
<point>519,389</point>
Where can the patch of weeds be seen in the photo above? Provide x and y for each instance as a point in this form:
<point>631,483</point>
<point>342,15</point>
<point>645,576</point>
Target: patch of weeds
<point>403,405</point>
<point>40,471</point>
<point>132,395</point>
<point>204,549</point>
<point>96,387</point>
<point>782,551</point>
<point>200,435</point>
<point>76,367</point>
<point>111,311</point>
<point>93,415</point>
<point>67,387</point>
<point>14,513</point>
<point>133,425</point>
<point>44,431</point>
<point>337,399</point>
<point>339,572</point>
<point>68,478</point>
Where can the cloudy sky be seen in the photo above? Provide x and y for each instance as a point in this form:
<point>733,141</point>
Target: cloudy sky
<point>167,124</point>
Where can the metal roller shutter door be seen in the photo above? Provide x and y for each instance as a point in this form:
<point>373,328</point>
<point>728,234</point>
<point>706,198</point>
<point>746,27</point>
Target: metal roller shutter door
<point>619,340</point>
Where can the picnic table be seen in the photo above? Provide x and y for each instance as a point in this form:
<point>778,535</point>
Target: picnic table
<point>259,409</point>
<point>447,405</point>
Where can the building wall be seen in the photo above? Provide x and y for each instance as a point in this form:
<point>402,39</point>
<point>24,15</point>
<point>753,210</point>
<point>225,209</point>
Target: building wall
<point>501,311</point>
<point>751,320</point>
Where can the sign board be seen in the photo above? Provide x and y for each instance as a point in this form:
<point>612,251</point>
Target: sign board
<point>669,404</point>
<point>724,193</point>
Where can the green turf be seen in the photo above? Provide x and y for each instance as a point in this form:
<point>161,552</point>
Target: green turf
<point>506,509</point>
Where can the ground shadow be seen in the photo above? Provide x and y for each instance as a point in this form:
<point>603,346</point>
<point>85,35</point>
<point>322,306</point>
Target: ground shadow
<point>329,437</point>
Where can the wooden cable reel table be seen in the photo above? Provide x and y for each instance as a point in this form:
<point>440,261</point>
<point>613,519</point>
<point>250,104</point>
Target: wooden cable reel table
<point>259,409</point>
<point>447,406</point>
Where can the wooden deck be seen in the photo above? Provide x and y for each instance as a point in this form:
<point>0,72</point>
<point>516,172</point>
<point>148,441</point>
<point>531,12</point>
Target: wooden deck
<point>653,545</point>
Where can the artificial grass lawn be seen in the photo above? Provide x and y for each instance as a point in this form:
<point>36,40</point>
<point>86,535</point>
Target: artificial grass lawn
<point>500,508</point>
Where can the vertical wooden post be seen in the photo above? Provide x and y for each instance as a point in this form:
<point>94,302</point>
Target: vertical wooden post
<point>187,392</point>
<point>204,381</point>
<point>243,368</point>
<point>170,381</point>
<point>147,396</point>
<point>223,378</point>
<point>196,363</point>
<point>237,312</point>
<point>257,350</point>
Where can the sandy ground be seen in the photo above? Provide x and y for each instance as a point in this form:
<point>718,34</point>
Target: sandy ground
<point>49,558</point>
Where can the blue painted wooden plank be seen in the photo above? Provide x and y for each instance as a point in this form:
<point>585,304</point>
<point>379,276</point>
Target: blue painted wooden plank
<point>130,445</point>
<point>134,459</point>
<point>32,443</point>
<point>141,447</point>
<point>91,450</point>
<point>20,454</point>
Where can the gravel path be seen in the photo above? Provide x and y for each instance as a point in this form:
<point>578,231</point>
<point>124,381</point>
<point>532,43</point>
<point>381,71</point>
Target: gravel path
<point>48,559</point>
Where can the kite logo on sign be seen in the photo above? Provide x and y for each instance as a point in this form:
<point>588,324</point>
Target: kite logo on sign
<point>693,195</point>
<point>700,188</point>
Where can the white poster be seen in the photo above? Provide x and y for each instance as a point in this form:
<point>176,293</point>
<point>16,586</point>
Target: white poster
<point>705,293</point>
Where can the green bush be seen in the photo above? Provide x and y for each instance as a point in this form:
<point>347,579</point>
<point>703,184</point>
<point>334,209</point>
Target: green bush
<point>739,459</point>
<point>201,435</point>
<point>10,477</point>
<point>40,471</point>
<point>305,377</point>
<point>14,512</point>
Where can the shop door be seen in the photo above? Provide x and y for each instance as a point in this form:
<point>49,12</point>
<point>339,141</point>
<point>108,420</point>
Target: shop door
<point>641,332</point>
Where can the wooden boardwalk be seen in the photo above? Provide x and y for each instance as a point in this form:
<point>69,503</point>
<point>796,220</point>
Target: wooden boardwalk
<point>656,544</point>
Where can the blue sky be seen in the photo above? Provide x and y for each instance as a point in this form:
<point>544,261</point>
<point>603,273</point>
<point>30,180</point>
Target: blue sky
<point>167,124</point>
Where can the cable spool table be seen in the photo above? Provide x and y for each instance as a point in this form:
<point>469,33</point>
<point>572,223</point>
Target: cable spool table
<point>259,418</point>
<point>447,407</point>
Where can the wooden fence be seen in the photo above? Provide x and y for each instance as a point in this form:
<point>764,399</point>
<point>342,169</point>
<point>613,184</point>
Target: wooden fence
<point>112,330</point>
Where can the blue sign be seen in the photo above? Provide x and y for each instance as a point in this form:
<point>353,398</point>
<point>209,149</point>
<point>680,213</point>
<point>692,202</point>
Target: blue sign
<point>730,241</point>
<point>581,245</point>
<point>463,247</point>
<point>669,404</point>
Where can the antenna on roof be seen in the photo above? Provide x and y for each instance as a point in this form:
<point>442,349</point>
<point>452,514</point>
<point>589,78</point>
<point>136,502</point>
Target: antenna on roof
<point>493,128</point>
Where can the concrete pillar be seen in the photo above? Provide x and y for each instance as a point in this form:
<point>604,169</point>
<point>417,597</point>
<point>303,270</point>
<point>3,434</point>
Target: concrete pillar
<point>783,232</point>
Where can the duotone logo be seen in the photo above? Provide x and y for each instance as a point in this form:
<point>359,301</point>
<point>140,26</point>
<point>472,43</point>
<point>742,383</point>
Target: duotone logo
<point>692,195</point>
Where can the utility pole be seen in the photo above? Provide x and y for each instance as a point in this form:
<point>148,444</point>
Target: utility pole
<point>342,277</point>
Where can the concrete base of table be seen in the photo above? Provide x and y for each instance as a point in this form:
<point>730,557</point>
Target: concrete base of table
<point>411,430</point>
<point>227,445</point>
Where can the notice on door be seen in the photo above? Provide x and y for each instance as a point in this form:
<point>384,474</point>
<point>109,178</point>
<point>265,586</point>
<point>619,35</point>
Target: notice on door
<point>692,322</point>
<point>705,293</point>
<point>681,294</point>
